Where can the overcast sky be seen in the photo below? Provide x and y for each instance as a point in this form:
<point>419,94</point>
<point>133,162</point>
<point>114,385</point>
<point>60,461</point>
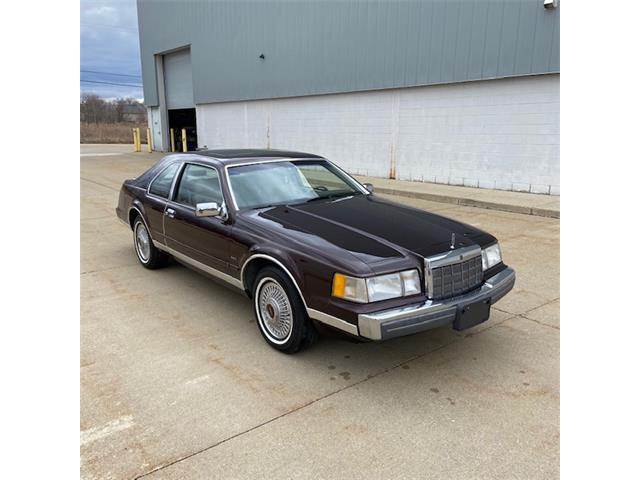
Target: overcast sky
<point>109,44</point>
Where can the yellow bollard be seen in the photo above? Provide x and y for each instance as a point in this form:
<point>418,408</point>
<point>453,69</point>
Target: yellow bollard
<point>184,139</point>
<point>173,140</point>
<point>138,144</point>
<point>135,140</point>
<point>149,141</point>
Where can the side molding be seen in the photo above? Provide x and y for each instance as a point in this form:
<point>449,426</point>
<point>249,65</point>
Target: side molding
<point>333,321</point>
<point>199,265</point>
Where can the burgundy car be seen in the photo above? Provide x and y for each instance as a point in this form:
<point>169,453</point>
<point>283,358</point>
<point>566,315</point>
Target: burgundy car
<point>311,246</point>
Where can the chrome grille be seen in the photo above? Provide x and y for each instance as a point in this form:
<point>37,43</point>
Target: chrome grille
<point>453,273</point>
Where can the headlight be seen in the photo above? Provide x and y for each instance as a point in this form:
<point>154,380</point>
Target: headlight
<point>491,256</point>
<point>374,289</point>
<point>384,287</point>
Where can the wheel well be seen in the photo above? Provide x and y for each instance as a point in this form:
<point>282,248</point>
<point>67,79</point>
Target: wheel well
<point>133,213</point>
<point>251,272</point>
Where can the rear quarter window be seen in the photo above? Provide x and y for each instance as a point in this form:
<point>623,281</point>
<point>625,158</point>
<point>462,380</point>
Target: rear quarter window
<point>161,185</point>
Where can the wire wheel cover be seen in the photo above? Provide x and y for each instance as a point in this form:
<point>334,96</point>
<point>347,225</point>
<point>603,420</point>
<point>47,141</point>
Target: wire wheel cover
<point>275,310</point>
<point>143,243</point>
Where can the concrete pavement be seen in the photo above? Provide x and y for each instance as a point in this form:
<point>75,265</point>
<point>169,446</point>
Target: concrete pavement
<point>176,381</point>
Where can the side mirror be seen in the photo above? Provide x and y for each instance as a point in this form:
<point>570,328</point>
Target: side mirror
<point>209,210</point>
<point>368,186</point>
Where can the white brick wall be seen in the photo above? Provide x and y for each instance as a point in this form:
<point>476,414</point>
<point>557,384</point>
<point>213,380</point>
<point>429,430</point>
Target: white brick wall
<point>502,134</point>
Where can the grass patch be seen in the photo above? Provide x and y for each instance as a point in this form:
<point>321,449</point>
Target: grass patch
<point>111,132</point>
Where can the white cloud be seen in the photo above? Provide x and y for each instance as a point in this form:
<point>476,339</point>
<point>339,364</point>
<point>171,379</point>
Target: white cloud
<point>103,11</point>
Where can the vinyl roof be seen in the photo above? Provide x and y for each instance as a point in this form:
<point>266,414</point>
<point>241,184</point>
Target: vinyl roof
<point>234,153</point>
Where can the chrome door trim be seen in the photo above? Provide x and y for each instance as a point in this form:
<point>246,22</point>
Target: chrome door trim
<point>199,265</point>
<point>315,314</point>
<point>174,186</point>
<point>228,180</point>
<point>173,180</point>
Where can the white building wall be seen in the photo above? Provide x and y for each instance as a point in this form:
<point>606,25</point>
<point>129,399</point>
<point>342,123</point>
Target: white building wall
<point>502,134</point>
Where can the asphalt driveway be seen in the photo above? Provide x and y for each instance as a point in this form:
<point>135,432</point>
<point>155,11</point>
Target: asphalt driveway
<point>176,381</point>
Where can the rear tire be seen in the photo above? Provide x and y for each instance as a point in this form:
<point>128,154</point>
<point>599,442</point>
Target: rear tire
<point>280,312</point>
<point>148,255</point>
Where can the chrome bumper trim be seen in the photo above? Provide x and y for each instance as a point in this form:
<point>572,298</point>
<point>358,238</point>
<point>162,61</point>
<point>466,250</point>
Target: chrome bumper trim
<point>431,314</point>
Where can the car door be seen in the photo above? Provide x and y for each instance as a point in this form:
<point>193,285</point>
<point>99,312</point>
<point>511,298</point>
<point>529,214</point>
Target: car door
<point>203,239</point>
<point>157,198</point>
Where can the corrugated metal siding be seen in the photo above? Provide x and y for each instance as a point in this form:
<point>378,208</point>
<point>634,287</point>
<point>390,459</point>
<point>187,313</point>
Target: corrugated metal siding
<point>178,83</point>
<point>315,47</point>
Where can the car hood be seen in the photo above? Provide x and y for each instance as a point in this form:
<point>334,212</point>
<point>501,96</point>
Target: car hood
<point>374,229</point>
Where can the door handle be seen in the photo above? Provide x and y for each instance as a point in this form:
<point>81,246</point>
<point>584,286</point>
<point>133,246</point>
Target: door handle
<point>170,212</point>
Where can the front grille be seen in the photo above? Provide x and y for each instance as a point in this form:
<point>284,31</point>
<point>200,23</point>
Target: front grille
<point>456,278</point>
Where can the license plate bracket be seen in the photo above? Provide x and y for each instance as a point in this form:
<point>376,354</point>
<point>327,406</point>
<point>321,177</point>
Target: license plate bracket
<point>472,314</point>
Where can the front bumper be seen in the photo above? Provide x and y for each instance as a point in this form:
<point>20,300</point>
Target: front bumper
<point>432,314</point>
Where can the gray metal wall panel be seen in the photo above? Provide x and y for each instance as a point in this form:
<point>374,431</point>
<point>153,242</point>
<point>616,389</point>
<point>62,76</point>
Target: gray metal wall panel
<point>526,37</point>
<point>478,38</point>
<point>314,47</point>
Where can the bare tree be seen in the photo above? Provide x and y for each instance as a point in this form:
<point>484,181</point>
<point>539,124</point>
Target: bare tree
<point>119,108</point>
<point>94,109</point>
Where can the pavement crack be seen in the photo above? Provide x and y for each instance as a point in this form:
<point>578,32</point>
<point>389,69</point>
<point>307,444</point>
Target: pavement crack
<point>538,322</point>
<point>96,218</point>
<point>86,272</point>
<point>100,184</point>
<point>308,404</point>
<point>527,311</point>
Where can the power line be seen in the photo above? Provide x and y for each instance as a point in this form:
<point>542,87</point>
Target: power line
<point>111,83</point>
<point>130,29</point>
<point>109,73</point>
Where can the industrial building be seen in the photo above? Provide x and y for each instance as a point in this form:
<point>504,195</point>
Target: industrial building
<point>457,92</point>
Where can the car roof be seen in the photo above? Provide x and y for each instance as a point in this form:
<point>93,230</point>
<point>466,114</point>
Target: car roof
<point>240,155</point>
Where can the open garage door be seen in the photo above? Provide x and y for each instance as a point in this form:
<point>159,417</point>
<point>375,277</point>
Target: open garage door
<point>178,84</point>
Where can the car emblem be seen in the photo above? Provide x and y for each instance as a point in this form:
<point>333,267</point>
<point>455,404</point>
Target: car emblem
<point>453,241</point>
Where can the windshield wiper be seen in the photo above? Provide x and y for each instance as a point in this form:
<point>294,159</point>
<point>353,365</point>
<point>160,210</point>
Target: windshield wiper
<point>333,196</point>
<point>260,207</point>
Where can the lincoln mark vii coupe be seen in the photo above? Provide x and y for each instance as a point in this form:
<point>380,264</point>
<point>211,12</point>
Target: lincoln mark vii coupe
<point>310,245</point>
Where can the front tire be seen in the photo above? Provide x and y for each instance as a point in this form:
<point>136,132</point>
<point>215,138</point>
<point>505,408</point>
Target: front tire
<point>280,312</point>
<point>148,255</point>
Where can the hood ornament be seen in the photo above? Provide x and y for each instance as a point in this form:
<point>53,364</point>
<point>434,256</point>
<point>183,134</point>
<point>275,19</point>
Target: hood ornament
<point>453,241</point>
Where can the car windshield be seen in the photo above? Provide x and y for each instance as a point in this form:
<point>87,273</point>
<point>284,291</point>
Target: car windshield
<point>288,182</point>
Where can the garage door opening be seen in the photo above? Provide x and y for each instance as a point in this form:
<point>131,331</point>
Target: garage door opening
<point>183,118</point>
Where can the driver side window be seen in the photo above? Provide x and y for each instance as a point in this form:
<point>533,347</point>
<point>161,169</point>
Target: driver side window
<point>199,184</point>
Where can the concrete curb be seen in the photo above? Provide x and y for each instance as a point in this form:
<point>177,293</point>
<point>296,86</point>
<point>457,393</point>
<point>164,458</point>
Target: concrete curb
<point>470,202</point>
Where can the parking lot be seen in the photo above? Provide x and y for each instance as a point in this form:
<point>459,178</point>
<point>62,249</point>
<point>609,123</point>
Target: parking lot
<point>177,382</point>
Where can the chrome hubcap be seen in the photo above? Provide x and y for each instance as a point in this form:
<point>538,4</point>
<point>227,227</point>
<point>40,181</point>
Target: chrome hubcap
<point>143,243</point>
<point>275,310</point>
